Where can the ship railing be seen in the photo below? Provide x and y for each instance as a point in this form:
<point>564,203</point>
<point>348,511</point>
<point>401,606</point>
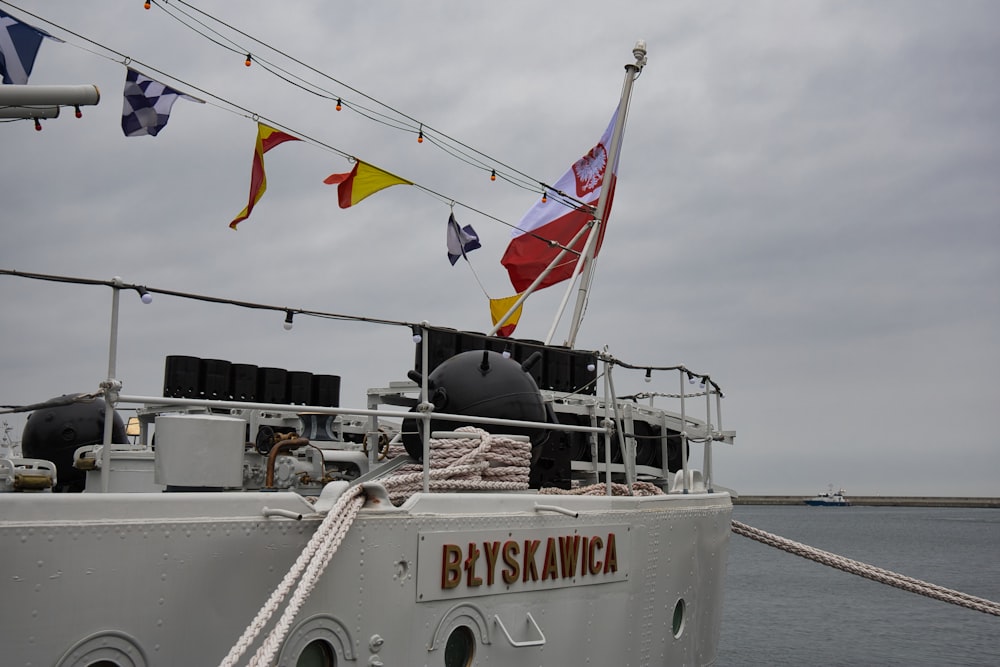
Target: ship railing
<point>610,425</point>
<point>603,426</point>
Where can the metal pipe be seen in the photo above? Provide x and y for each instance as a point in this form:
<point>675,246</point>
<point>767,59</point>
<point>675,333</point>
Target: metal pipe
<point>534,285</point>
<point>607,437</point>
<point>684,435</point>
<point>631,72</point>
<point>424,399</point>
<point>708,435</point>
<point>29,111</point>
<point>109,394</point>
<point>628,453</point>
<point>272,456</point>
<point>394,414</point>
<point>25,95</point>
<point>555,508</point>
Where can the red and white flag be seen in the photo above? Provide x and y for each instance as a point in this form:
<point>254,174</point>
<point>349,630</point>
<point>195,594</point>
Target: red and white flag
<point>529,252</point>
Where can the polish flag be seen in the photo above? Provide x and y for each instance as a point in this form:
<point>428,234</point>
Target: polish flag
<point>530,252</point>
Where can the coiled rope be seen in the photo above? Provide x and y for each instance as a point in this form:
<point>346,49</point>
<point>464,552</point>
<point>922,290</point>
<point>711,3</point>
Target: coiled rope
<point>867,571</point>
<point>479,462</point>
<point>637,489</point>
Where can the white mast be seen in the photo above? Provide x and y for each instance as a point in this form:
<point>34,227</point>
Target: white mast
<point>24,101</point>
<point>632,71</point>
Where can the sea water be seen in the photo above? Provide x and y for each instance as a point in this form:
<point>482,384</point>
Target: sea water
<point>781,609</point>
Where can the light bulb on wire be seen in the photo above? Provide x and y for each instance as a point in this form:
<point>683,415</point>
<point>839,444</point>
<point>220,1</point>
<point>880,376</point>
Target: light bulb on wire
<point>288,320</point>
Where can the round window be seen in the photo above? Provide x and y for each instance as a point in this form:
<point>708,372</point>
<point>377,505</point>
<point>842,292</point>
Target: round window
<point>678,623</point>
<point>460,648</point>
<point>317,653</point>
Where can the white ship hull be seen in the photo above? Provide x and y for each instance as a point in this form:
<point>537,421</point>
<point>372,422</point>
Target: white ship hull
<point>173,579</point>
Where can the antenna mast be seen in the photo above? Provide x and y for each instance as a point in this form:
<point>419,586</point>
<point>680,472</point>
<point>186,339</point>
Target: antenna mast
<point>632,71</point>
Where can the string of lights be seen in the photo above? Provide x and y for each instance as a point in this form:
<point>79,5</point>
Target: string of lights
<point>405,122</point>
<point>693,377</point>
<point>232,107</point>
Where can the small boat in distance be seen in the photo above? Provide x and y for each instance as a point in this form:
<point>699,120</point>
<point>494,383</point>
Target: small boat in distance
<point>829,499</point>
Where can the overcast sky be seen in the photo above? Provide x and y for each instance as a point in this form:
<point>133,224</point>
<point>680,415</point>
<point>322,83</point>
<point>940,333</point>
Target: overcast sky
<point>808,209</point>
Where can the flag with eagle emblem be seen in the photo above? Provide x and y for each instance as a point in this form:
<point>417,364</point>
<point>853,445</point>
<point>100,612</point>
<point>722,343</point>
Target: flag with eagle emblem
<point>547,223</point>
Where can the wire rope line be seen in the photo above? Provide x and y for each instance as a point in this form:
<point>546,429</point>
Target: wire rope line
<point>868,571</point>
<point>560,198</point>
<point>284,310</point>
<point>411,124</point>
<point>454,147</point>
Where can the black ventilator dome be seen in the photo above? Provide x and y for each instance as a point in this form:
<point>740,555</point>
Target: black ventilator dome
<point>54,434</point>
<point>483,384</point>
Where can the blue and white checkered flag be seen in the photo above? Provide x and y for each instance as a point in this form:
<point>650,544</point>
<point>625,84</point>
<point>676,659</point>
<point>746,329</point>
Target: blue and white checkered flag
<point>19,44</point>
<point>147,104</point>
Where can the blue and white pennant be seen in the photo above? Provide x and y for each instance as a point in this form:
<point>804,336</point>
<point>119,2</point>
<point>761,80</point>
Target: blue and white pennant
<point>19,44</point>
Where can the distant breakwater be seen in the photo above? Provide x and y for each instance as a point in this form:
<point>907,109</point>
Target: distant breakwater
<point>884,501</point>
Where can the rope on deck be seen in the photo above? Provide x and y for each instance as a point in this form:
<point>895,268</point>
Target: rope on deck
<point>868,571</point>
<point>478,462</point>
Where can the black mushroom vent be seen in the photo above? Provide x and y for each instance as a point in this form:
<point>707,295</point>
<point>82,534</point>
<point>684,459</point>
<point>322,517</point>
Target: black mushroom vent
<point>54,433</point>
<point>482,383</point>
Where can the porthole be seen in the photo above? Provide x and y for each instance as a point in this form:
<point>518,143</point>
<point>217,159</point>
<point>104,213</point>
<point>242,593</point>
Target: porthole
<point>104,649</point>
<point>317,641</point>
<point>317,653</point>
<point>460,648</point>
<point>678,622</point>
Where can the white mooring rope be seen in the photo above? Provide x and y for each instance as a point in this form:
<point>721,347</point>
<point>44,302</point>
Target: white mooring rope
<point>479,462</point>
<point>312,561</point>
<point>867,571</point>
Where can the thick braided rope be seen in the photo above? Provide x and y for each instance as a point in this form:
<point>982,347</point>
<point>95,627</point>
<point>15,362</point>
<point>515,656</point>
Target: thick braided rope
<point>480,462</point>
<point>268,650</point>
<point>330,522</point>
<point>638,489</point>
<point>869,572</point>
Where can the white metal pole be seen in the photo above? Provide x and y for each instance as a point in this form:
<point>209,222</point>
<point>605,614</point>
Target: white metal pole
<point>684,435</point>
<point>109,390</point>
<point>425,401</point>
<point>538,281</point>
<point>708,435</point>
<point>595,223</point>
<point>607,437</point>
<point>631,72</point>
